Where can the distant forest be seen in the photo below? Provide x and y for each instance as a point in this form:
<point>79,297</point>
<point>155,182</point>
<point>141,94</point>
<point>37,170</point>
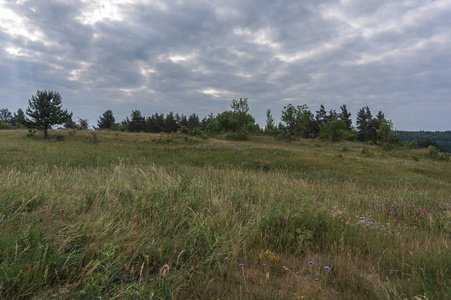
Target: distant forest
<point>442,138</point>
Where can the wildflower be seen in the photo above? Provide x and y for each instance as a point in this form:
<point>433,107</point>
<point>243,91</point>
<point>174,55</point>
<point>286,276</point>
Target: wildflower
<point>310,262</point>
<point>316,279</point>
<point>226,258</point>
<point>326,268</point>
<point>241,265</point>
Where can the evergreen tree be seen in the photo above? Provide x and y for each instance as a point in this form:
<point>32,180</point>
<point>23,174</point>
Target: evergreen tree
<point>19,118</point>
<point>380,116</point>
<point>124,124</point>
<point>206,121</point>
<point>346,117</point>
<point>45,110</point>
<point>320,119</point>
<point>137,122</point>
<point>321,115</point>
<point>83,124</point>
<point>156,123</point>
<point>270,127</point>
<point>193,122</point>
<point>6,116</point>
<point>181,120</point>
<point>170,123</point>
<point>333,115</point>
<point>150,125</point>
<point>364,118</point>
<point>106,121</point>
<point>371,132</point>
<point>69,123</point>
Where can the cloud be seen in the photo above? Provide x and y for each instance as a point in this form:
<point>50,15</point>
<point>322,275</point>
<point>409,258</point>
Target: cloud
<point>196,56</point>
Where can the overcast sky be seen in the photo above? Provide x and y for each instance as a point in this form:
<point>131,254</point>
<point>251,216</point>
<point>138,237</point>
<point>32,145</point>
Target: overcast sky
<point>196,56</point>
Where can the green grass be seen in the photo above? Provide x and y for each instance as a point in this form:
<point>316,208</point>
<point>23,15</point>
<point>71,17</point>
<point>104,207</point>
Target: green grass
<point>121,215</point>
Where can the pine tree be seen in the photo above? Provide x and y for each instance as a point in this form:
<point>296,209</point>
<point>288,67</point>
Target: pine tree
<point>106,121</point>
<point>269,128</point>
<point>346,117</point>
<point>6,116</point>
<point>363,123</point>
<point>137,122</point>
<point>193,121</point>
<point>170,123</point>
<point>19,118</point>
<point>45,110</point>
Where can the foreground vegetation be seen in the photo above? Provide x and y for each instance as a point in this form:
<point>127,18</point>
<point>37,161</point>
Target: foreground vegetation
<point>137,215</point>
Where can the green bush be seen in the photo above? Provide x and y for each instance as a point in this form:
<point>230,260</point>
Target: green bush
<point>237,136</point>
<point>335,131</point>
<point>3,125</point>
<point>445,156</point>
<point>31,132</point>
<point>60,138</point>
<point>367,153</point>
<point>434,153</point>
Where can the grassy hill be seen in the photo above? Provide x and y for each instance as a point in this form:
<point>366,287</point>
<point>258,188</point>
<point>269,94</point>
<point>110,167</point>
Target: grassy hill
<point>120,215</point>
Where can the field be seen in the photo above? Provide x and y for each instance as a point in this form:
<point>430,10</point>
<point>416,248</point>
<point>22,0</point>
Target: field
<point>111,215</point>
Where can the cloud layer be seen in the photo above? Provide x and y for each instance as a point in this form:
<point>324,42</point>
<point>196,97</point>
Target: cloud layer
<point>196,56</point>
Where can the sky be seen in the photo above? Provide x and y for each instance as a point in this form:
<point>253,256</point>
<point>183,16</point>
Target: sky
<point>197,56</point>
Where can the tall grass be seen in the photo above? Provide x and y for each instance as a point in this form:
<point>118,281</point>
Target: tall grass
<point>171,217</point>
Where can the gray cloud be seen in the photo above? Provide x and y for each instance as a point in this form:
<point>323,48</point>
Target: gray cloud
<point>196,56</point>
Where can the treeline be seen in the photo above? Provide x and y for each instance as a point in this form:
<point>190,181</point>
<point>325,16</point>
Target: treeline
<point>45,110</point>
<point>155,123</point>
<point>238,124</point>
<point>17,120</point>
<point>439,139</point>
<point>299,121</point>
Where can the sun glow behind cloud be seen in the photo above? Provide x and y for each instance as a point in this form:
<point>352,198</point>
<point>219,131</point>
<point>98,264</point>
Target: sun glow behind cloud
<point>96,11</point>
<point>15,25</point>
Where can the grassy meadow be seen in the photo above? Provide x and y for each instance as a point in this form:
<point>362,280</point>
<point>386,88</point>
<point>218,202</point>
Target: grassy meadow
<point>111,215</point>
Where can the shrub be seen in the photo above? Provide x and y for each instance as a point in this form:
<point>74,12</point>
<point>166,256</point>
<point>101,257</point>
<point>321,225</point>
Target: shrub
<point>335,131</point>
<point>367,152</point>
<point>445,156</point>
<point>286,136</point>
<point>31,132</point>
<point>3,125</point>
<point>238,136</point>
<point>60,138</point>
<point>433,151</point>
<point>184,130</point>
<point>415,157</point>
